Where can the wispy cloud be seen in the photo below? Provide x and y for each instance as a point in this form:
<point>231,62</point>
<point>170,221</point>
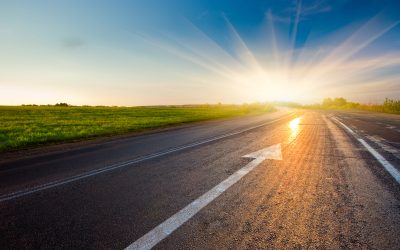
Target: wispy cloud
<point>72,43</point>
<point>278,19</point>
<point>317,7</point>
<point>300,11</point>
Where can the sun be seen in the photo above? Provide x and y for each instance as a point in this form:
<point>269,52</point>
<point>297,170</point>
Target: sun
<point>272,86</point>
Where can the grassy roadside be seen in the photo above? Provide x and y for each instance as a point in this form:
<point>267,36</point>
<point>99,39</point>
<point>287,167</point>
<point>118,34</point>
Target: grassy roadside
<point>28,126</point>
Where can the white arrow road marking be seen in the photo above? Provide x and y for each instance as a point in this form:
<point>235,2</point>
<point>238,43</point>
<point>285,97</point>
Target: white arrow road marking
<point>273,152</point>
<point>162,231</point>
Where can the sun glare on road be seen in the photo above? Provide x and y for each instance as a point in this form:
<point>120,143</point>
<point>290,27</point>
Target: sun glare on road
<point>294,128</point>
<point>294,124</point>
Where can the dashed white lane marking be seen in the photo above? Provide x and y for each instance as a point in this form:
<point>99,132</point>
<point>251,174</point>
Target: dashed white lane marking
<point>387,165</point>
<point>84,175</point>
<point>394,128</point>
<point>163,230</point>
<point>381,143</point>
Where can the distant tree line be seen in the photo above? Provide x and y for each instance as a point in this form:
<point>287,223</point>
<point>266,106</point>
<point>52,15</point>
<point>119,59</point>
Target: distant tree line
<point>388,106</point>
<point>392,106</point>
<point>60,104</point>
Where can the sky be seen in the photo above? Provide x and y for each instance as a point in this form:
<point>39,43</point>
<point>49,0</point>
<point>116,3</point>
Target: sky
<point>158,52</point>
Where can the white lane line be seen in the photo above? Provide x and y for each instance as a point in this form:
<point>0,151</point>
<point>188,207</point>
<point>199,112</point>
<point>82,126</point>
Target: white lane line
<point>382,143</point>
<point>387,165</point>
<point>109,168</point>
<point>163,230</point>
<point>347,128</point>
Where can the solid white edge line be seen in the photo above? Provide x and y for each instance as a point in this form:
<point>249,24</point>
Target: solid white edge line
<point>163,230</point>
<point>49,185</point>
<point>347,128</point>
<point>387,165</point>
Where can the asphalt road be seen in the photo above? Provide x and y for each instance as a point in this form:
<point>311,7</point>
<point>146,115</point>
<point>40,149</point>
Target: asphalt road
<point>334,187</point>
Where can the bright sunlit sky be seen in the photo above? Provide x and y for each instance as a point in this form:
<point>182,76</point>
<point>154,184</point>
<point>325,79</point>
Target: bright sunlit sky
<point>186,52</point>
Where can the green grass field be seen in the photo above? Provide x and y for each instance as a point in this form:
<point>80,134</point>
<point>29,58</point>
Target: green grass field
<point>28,126</point>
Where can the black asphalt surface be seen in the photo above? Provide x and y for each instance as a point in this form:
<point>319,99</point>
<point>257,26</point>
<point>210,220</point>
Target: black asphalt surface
<point>382,131</point>
<point>328,192</point>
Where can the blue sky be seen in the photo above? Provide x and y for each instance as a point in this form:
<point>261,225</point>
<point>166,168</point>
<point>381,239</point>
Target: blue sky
<point>179,52</point>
